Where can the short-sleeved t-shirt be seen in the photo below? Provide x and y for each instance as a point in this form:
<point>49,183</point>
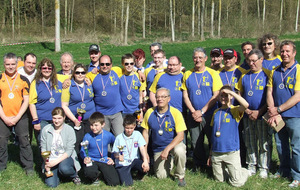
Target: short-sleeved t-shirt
<point>171,123</point>
<point>270,64</point>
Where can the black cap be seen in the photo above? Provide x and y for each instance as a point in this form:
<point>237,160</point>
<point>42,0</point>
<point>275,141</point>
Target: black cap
<point>94,47</point>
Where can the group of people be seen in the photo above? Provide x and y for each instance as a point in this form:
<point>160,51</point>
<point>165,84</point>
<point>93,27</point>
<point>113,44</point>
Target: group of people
<point>110,120</point>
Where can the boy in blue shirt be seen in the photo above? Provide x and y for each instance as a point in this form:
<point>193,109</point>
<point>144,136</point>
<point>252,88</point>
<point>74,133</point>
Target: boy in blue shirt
<point>128,158</point>
<point>225,150</point>
<point>98,141</point>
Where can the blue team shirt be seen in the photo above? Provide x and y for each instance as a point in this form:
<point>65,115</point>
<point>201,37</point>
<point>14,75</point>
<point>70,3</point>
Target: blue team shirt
<point>103,140</point>
<point>270,64</point>
<point>131,147</point>
<point>134,84</point>
<point>210,82</point>
<point>75,100</point>
<point>91,66</point>
<point>171,123</point>
<point>231,77</point>
<point>291,84</point>
<point>258,99</point>
<point>43,105</point>
<point>245,65</point>
<point>228,141</point>
<point>174,84</point>
<point>111,103</point>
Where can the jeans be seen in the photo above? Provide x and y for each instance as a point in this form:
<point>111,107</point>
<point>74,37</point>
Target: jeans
<point>65,168</point>
<point>125,171</point>
<point>286,137</point>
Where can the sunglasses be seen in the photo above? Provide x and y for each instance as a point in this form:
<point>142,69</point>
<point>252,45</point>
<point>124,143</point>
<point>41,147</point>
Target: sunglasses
<point>107,64</point>
<point>269,43</point>
<point>126,64</point>
<point>80,72</point>
<point>47,68</point>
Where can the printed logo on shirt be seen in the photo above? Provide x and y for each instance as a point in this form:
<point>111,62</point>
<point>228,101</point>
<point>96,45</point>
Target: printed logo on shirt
<point>91,94</point>
<point>113,81</point>
<point>289,81</point>
<point>168,126</point>
<point>57,90</point>
<point>135,84</point>
<point>178,84</point>
<point>136,144</point>
<point>233,81</point>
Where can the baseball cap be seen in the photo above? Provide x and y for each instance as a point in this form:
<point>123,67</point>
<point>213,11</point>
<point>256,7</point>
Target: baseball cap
<point>94,47</point>
<point>230,53</point>
<point>218,51</point>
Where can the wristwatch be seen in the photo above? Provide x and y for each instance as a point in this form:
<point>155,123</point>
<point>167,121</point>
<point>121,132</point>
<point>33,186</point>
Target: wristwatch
<point>279,110</point>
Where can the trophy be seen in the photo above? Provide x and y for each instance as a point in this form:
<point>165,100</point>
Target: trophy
<point>80,112</point>
<point>85,145</point>
<point>121,153</point>
<point>46,156</point>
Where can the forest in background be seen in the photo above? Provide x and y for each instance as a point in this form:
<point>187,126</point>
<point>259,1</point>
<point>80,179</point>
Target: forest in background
<point>120,22</point>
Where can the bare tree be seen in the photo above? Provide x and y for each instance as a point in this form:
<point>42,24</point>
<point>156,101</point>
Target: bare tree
<point>297,15</point>
<point>258,10</point>
<point>19,17</point>
<point>12,19</point>
<point>212,18</point>
<point>281,12</point>
<point>264,13</point>
<point>126,23</point>
<point>193,18</point>
<point>220,13</point>
<point>199,17</point>
<point>94,15</point>
<point>122,19</point>
<point>144,19</point>
<point>202,19</point>
<point>172,22</point>
<point>57,26</point>
<point>72,16</point>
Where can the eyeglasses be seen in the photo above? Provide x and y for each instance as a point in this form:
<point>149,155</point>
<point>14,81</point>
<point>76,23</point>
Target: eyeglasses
<point>252,61</point>
<point>126,64</point>
<point>107,64</point>
<point>161,97</point>
<point>173,65</point>
<point>269,43</point>
<point>80,72</point>
<point>47,68</point>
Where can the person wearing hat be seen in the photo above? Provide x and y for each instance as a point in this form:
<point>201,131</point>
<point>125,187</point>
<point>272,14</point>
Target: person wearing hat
<point>216,55</point>
<point>95,53</point>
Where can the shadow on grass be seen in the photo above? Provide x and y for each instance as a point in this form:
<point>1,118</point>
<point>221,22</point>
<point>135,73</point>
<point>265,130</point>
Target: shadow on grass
<point>48,45</point>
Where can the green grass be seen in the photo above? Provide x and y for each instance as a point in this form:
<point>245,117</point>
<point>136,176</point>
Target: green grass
<point>14,177</point>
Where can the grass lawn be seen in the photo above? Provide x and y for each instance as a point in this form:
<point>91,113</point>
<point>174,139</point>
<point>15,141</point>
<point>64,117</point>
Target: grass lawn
<point>14,177</point>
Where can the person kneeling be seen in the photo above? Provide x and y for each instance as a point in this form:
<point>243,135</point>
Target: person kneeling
<point>94,152</point>
<point>57,147</point>
<point>225,151</point>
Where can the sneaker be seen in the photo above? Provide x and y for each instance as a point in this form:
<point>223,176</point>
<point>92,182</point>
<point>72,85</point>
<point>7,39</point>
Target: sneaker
<point>276,175</point>
<point>29,172</point>
<point>294,184</point>
<point>181,182</point>
<point>76,180</point>
<point>251,170</point>
<point>96,182</point>
<point>263,174</point>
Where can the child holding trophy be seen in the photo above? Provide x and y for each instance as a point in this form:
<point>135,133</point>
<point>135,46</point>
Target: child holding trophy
<point>96,145</point>
<point>225,150</point>
<point>126,148</point>
<point>57,147</point>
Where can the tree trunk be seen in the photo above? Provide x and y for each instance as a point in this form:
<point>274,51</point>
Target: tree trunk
<point>126,23</point>
<point>193,18</point>
<point>144,20</point>
<point>212,18</point>
<point>202,19</point>
<point>199,17</point>
<point>19,18</point>
<point>220,13</point>
<point>122,20</point>
<point>281,12</point>
<point>57,26</point>
<point>94,15</point>
<point>172,23</point>
<point>66,17</point>
<point>43,24</point>
<point>12,20</point>
<point>258,10</point>
<point>72,16</point>
<point>297,15</point>
<point>264,14</point>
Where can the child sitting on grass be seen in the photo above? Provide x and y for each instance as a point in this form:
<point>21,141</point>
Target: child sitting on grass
<point>225,150</point>
<point>128,158</point>
<point>98,141</point>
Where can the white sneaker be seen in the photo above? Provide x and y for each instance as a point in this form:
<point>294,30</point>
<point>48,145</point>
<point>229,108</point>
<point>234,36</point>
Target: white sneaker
<point>263,174</point>
<point>294,184</point>
<point>251,170</point>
